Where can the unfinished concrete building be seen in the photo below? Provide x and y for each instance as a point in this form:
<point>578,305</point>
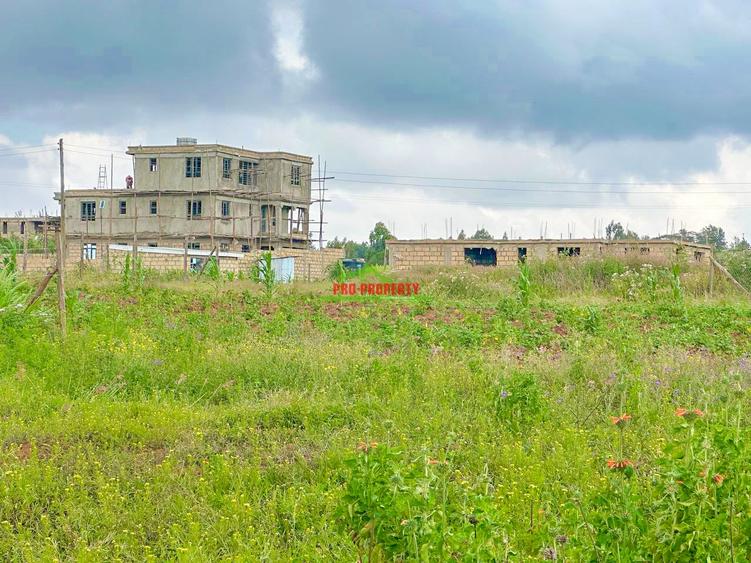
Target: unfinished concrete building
<point>32,226</point>
<point>202,196</point>
<point>408,254</point>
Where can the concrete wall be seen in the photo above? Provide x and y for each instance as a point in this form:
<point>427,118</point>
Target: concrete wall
<point>407,254</point>
<point>16,226</point>
<point>309,264</point>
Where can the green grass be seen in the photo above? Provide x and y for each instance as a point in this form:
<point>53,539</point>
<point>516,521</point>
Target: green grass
<point>206,421</point>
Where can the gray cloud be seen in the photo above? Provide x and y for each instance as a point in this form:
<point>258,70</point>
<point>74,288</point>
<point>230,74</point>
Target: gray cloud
<point>88,64</point>
<point>573,70</point>
<point>644,69</point>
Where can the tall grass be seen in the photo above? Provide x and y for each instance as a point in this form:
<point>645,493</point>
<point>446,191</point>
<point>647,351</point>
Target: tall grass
<point>182,423</point>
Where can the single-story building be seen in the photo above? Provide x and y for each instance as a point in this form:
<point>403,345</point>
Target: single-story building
<point>407,254</point>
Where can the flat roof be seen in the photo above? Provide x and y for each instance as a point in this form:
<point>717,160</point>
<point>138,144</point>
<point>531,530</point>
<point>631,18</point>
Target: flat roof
<point>563,242</point>
<point>226,149</point>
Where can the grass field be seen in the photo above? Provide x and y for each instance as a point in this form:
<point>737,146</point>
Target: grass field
<point>580,413</point>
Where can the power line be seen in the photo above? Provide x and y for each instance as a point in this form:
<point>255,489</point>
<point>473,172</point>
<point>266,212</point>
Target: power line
<point>20,153</point>
<point>540,191</point>
<point>521,204</point>
<point>19,147</point>
<point>99,155</point>
<point>553,182</point>
<point>101,148</point>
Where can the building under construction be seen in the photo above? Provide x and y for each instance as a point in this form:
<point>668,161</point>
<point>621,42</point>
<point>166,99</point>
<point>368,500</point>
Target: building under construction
<point>201,196</point>
<point>408,254</point>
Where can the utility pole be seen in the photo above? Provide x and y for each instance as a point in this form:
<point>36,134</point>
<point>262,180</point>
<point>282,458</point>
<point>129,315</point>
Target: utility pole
<point>109,204</point>
<point>321,197</point>
<point>135,216</point>
<point>61,247</point>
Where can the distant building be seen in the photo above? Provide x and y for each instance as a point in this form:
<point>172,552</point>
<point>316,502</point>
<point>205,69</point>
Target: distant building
<point>20,226</point>
<point>202,196</point>
<point>408,254</point>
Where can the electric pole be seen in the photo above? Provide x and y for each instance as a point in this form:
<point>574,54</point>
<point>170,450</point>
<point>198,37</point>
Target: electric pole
<point>61,252</point>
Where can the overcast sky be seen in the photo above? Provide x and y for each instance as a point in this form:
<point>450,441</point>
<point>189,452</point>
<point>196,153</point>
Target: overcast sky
<point>508,115</point>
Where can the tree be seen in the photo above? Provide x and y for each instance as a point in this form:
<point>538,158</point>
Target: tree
<point>740,244</point>
<point>461,236</point>
<point>614,231</point>
<point>336,243</point>
<point>378,237</point>
<point>714,236</point>
<point>354,249</point>
<point>482,234</point>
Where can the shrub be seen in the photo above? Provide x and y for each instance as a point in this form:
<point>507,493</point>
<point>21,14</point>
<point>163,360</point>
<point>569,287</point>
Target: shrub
<point>518,399</point>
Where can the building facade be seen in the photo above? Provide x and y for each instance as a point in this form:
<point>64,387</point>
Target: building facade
<point>407,254</point>
<point>199,195</point>
<point>32,226</point>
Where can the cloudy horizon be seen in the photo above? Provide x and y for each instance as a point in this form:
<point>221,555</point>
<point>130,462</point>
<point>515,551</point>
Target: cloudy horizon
<point>499,115</point>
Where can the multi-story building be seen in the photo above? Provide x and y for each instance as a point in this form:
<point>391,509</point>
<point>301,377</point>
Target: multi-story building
<point>204,196</point>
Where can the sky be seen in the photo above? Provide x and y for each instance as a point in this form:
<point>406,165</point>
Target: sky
<point>526,118</point>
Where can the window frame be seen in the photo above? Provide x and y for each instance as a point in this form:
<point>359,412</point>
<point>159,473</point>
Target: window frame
<point>193,166</point>
<point>295,175</point>
<point>226,213</point>
<point>90,206</point>
<point>153,207</point>
<point>153,164</point>
<point>122,207</point>
<point>226,168</point>
<point>88,251</point>
<point>246,173</point>
<point>192,206</point>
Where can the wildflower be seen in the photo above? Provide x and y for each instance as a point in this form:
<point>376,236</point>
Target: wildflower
<point>365,447</point>
<point>433,462</point>
<point>562,539</point>
<point>504,394</point>
<point>620,420</point>
<point>619,464</point>
<point>718,478</point>
<point>689,414</point>
<point>549,554</point>
<point>703,473</point>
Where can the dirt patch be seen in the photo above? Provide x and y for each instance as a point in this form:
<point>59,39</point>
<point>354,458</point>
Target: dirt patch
<point>560,329</point>
<point>448,316</point>
<point>343,311</point>
<point>269,309</point>
<point>25,450</point>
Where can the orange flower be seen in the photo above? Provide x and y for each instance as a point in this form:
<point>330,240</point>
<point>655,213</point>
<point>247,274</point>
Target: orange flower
<point>703,473</point>
<point>620,420</point>
<point>620,464</point>
<point>718,478</point>
<point>689,415</point>
<point>433,462</point>
<point>365,447</point>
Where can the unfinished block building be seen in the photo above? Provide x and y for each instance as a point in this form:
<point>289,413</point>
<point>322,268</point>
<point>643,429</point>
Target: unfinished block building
<point>407,254</point>
<point>202,196</point>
